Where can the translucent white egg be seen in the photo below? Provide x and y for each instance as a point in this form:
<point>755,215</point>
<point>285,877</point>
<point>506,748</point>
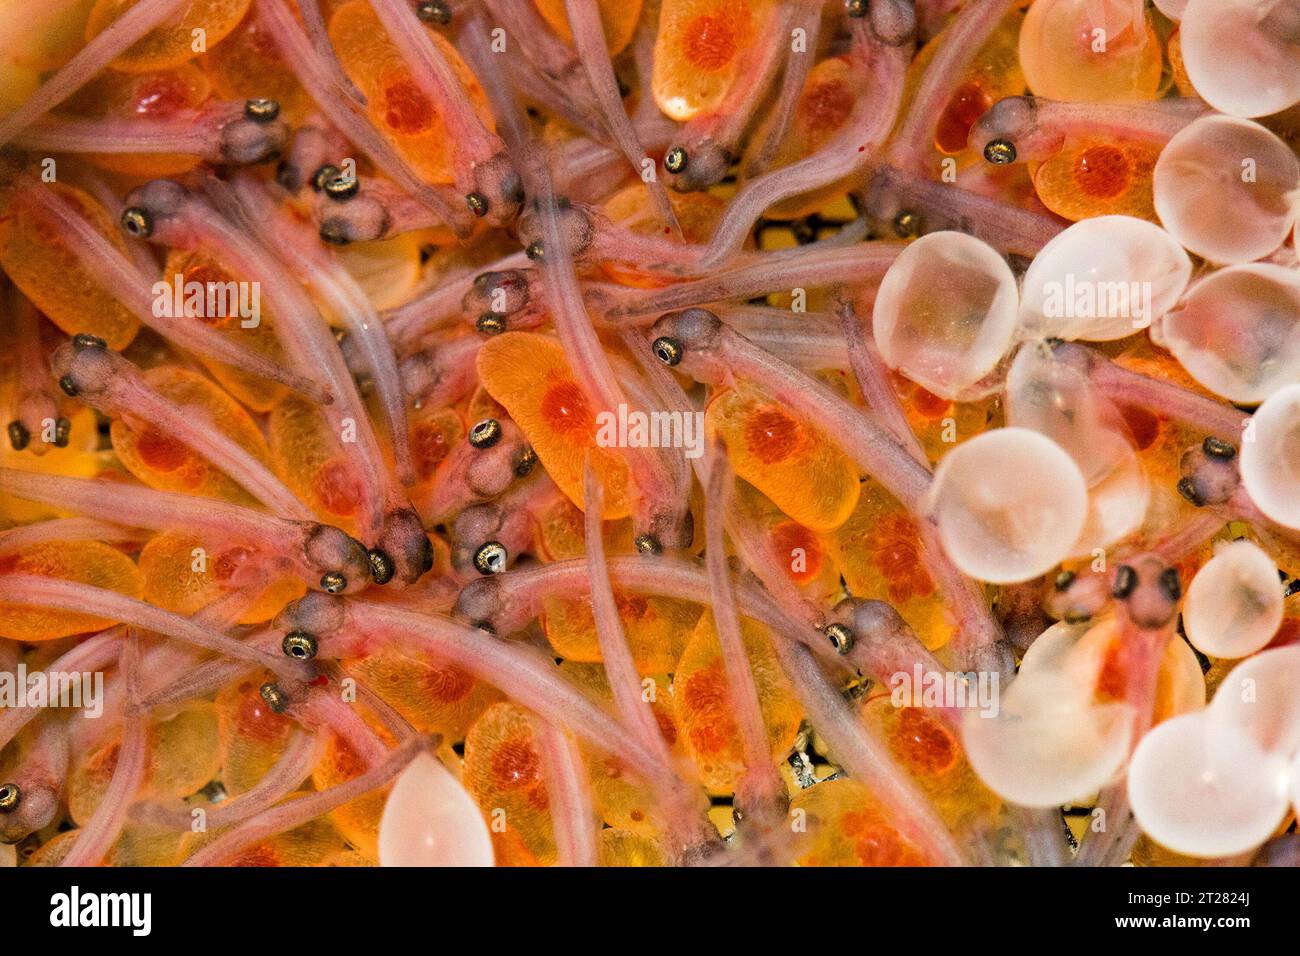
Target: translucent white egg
<point>1234,604</point>
<point>1050,651</point>
<point>1270,457</point>
<point>1238,332</point>
<point>1242,55</point>
<point>1257,702</point>
<point>1056,399</point>
<point>1224,188</point>
<point>1049,744</point>
<point>945,314</point>
<point>1009,504</point>
<point>429,820</point>
<point>1117,507</point>
<point>1078,653</point>
<point>1103,279</point>
<point>1202,804</point>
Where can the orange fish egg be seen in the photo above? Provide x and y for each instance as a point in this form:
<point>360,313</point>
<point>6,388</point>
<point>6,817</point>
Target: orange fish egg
<point>656,629</point>
<point>397,105</point>
<point>199,26</point>
<point>791,461</point>
<point>842,824</point>
<point>503,772</point>
<point>1096,177</point>
<point>529,375</point>
<point>48,273</point>
<point>698,51</point>
<point>182,576</point>
<point>90,562</point>
<point>705,710</point>
<point>618,17</point>
<point>162,461</point>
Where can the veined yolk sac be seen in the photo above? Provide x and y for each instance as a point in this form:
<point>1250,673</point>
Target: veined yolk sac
<point>560,533</point>
<point>247,65</point>
<point>256,393</point>
<point>1226,189</point>
<point>436,697</point>
<point>1100,655</point>
<point>306,456</point>
<point>706,712</point>
<point>618,17</point>
<point>1238,331</point>
<point>1103,279</point>
<point>45,37</point>
<point>621,799</point>
<point>847,826</point>
<point>1090,51</point>
<point>314,843</point>
<point>158,94</point>
<point>531,377</point>
<point>794,463</point>
<point>396,104</point>
<point>932,752</point>
<point>698,51</point>
<point>830,92</point>
<point>434,433</point>
<point>503,772</point>
<point>994,73</point>
<point>1160,441</point>
<point>358,821</point>
<point>253,737</point>
<point>1241,55</point>
<point>78,459</point>
<point>172,44</point>
<point>1010,505</point>
<point>166,463</point>
<point>697,213</point>
<point>625,848</point>
<point>946,312</point>
<point>801,553</point>
<point>1098,177</point>
<point>656,629</point>
<point>90,562</point>
<point>53,278</point>
<point>184,755</point>
<point>181,575</point>
<point>1234,605</point>
<point>1057,400</point>
<point>429,820</point>
<point>1270,463</point>
<point>879,554</point>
